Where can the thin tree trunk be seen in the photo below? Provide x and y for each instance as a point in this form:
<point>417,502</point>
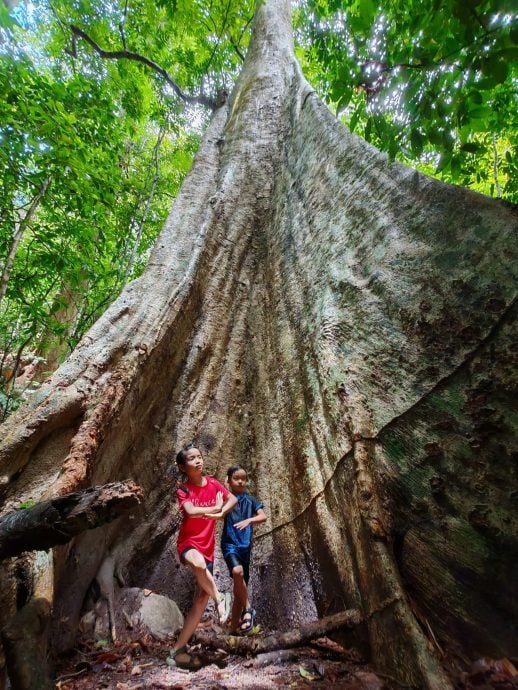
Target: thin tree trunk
<point>140,228</point>
<point>20,228</point>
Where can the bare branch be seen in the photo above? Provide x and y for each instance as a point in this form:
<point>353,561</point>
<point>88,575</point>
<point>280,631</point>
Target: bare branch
<point>236,48</point>
<point>136,57</point>
<point>122,23</point>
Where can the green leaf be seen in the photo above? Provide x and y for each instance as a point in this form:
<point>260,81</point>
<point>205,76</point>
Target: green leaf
<point>368,129</point>
<point>470,147</point>
<point>480,112</point>
<point>367,11</point>
<point>307,675</point>
<point>475,97</point>
<point>6,20</point>
<point>354,120</point>
<point>455,168</point>
<point>436,138</point>
<point>496,68</point>
<point>345,99</point>
<point>417,141</point>
<point>510,54</point>
<point>444,162</point>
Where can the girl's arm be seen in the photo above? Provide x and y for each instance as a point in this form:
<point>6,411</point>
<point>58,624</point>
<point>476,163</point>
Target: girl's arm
<point>229,505</point>
<point>194,510</point>
<point>259,517</point>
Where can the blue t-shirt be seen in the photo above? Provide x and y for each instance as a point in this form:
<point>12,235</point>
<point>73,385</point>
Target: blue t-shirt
<point>247,507</point>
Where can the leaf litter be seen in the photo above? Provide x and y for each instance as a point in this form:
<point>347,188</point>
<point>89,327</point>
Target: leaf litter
<point>139,663</point>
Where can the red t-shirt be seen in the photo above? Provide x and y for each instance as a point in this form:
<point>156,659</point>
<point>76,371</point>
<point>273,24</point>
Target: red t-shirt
<point>198,531</point>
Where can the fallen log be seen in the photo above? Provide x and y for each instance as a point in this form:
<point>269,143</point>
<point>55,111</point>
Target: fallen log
<point>58,520</point>
<point>280,640</point>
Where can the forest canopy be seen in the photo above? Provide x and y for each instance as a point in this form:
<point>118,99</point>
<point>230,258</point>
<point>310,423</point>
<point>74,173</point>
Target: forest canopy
<point>104,104</point>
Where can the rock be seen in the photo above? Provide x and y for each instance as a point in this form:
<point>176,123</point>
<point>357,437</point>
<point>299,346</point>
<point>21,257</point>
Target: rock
<point>134,608</point>
<point>160,615</point>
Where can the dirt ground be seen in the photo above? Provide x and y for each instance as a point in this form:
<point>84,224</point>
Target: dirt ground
<point>142,664</point>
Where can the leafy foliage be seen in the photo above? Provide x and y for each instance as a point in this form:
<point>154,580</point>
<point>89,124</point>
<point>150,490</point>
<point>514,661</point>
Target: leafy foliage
<point>433,84</point>
<point>112,175</point>
<point>93,150</point>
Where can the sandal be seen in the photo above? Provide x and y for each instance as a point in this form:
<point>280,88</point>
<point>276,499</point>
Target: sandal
<point>223,607</point>
<point>180,658</point>
<point>247,624</point>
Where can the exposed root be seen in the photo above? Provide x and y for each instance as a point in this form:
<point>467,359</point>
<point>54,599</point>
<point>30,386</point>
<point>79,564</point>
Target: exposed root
<point>25,646</point>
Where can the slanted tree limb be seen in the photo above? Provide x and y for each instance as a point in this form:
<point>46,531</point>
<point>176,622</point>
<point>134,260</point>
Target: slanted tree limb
<point>281,640</point>
<point>136,57</point>
<point>60,519</point>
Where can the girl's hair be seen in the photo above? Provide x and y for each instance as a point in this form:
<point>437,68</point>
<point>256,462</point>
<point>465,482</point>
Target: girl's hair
<point>180,461</point>
<point>180,457</point>
<point>233,469</point>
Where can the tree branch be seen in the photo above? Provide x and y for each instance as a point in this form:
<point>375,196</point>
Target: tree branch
<point>236,48</point>
<point>60,519</point>
<point>281,640</point>
<point>136,57</point>
<point>122,24</point>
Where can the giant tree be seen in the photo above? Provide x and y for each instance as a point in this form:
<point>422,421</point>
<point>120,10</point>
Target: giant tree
<point>343,324</point>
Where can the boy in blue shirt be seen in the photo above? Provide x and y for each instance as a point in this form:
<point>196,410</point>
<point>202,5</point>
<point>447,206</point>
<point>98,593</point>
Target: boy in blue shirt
<point>236,545</point>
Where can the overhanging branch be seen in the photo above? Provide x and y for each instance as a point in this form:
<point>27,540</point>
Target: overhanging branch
<point>136,57</point>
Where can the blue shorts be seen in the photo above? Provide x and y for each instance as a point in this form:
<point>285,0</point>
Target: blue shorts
<point>235,556</point>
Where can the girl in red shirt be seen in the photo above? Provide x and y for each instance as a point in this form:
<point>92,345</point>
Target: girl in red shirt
<point>202,501</point>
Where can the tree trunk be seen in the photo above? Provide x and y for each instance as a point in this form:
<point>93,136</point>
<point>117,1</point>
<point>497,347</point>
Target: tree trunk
<point>340,323</point>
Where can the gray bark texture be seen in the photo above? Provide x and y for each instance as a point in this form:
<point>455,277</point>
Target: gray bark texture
<point>340,324</point>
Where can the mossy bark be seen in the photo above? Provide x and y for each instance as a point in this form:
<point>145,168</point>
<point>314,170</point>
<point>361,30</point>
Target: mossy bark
<point>343,326</point>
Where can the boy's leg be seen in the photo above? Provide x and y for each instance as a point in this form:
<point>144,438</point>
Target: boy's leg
<point>240,596</point>
<point>248,618</point>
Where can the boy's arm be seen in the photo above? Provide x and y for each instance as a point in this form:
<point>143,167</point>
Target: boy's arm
<point>259,517</point>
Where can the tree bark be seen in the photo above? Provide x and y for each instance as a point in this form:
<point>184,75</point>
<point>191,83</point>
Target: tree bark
<point>344,325</point>
<point>58,520</point>
<point>25,645</point>
<point>281,640</point>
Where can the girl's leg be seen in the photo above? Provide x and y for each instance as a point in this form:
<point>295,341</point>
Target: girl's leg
<point>196,562</point>
<point>240,596</point>
<point>192,618</point>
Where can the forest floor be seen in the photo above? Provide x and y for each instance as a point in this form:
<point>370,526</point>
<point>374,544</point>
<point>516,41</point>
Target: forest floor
<point>141,663</point>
